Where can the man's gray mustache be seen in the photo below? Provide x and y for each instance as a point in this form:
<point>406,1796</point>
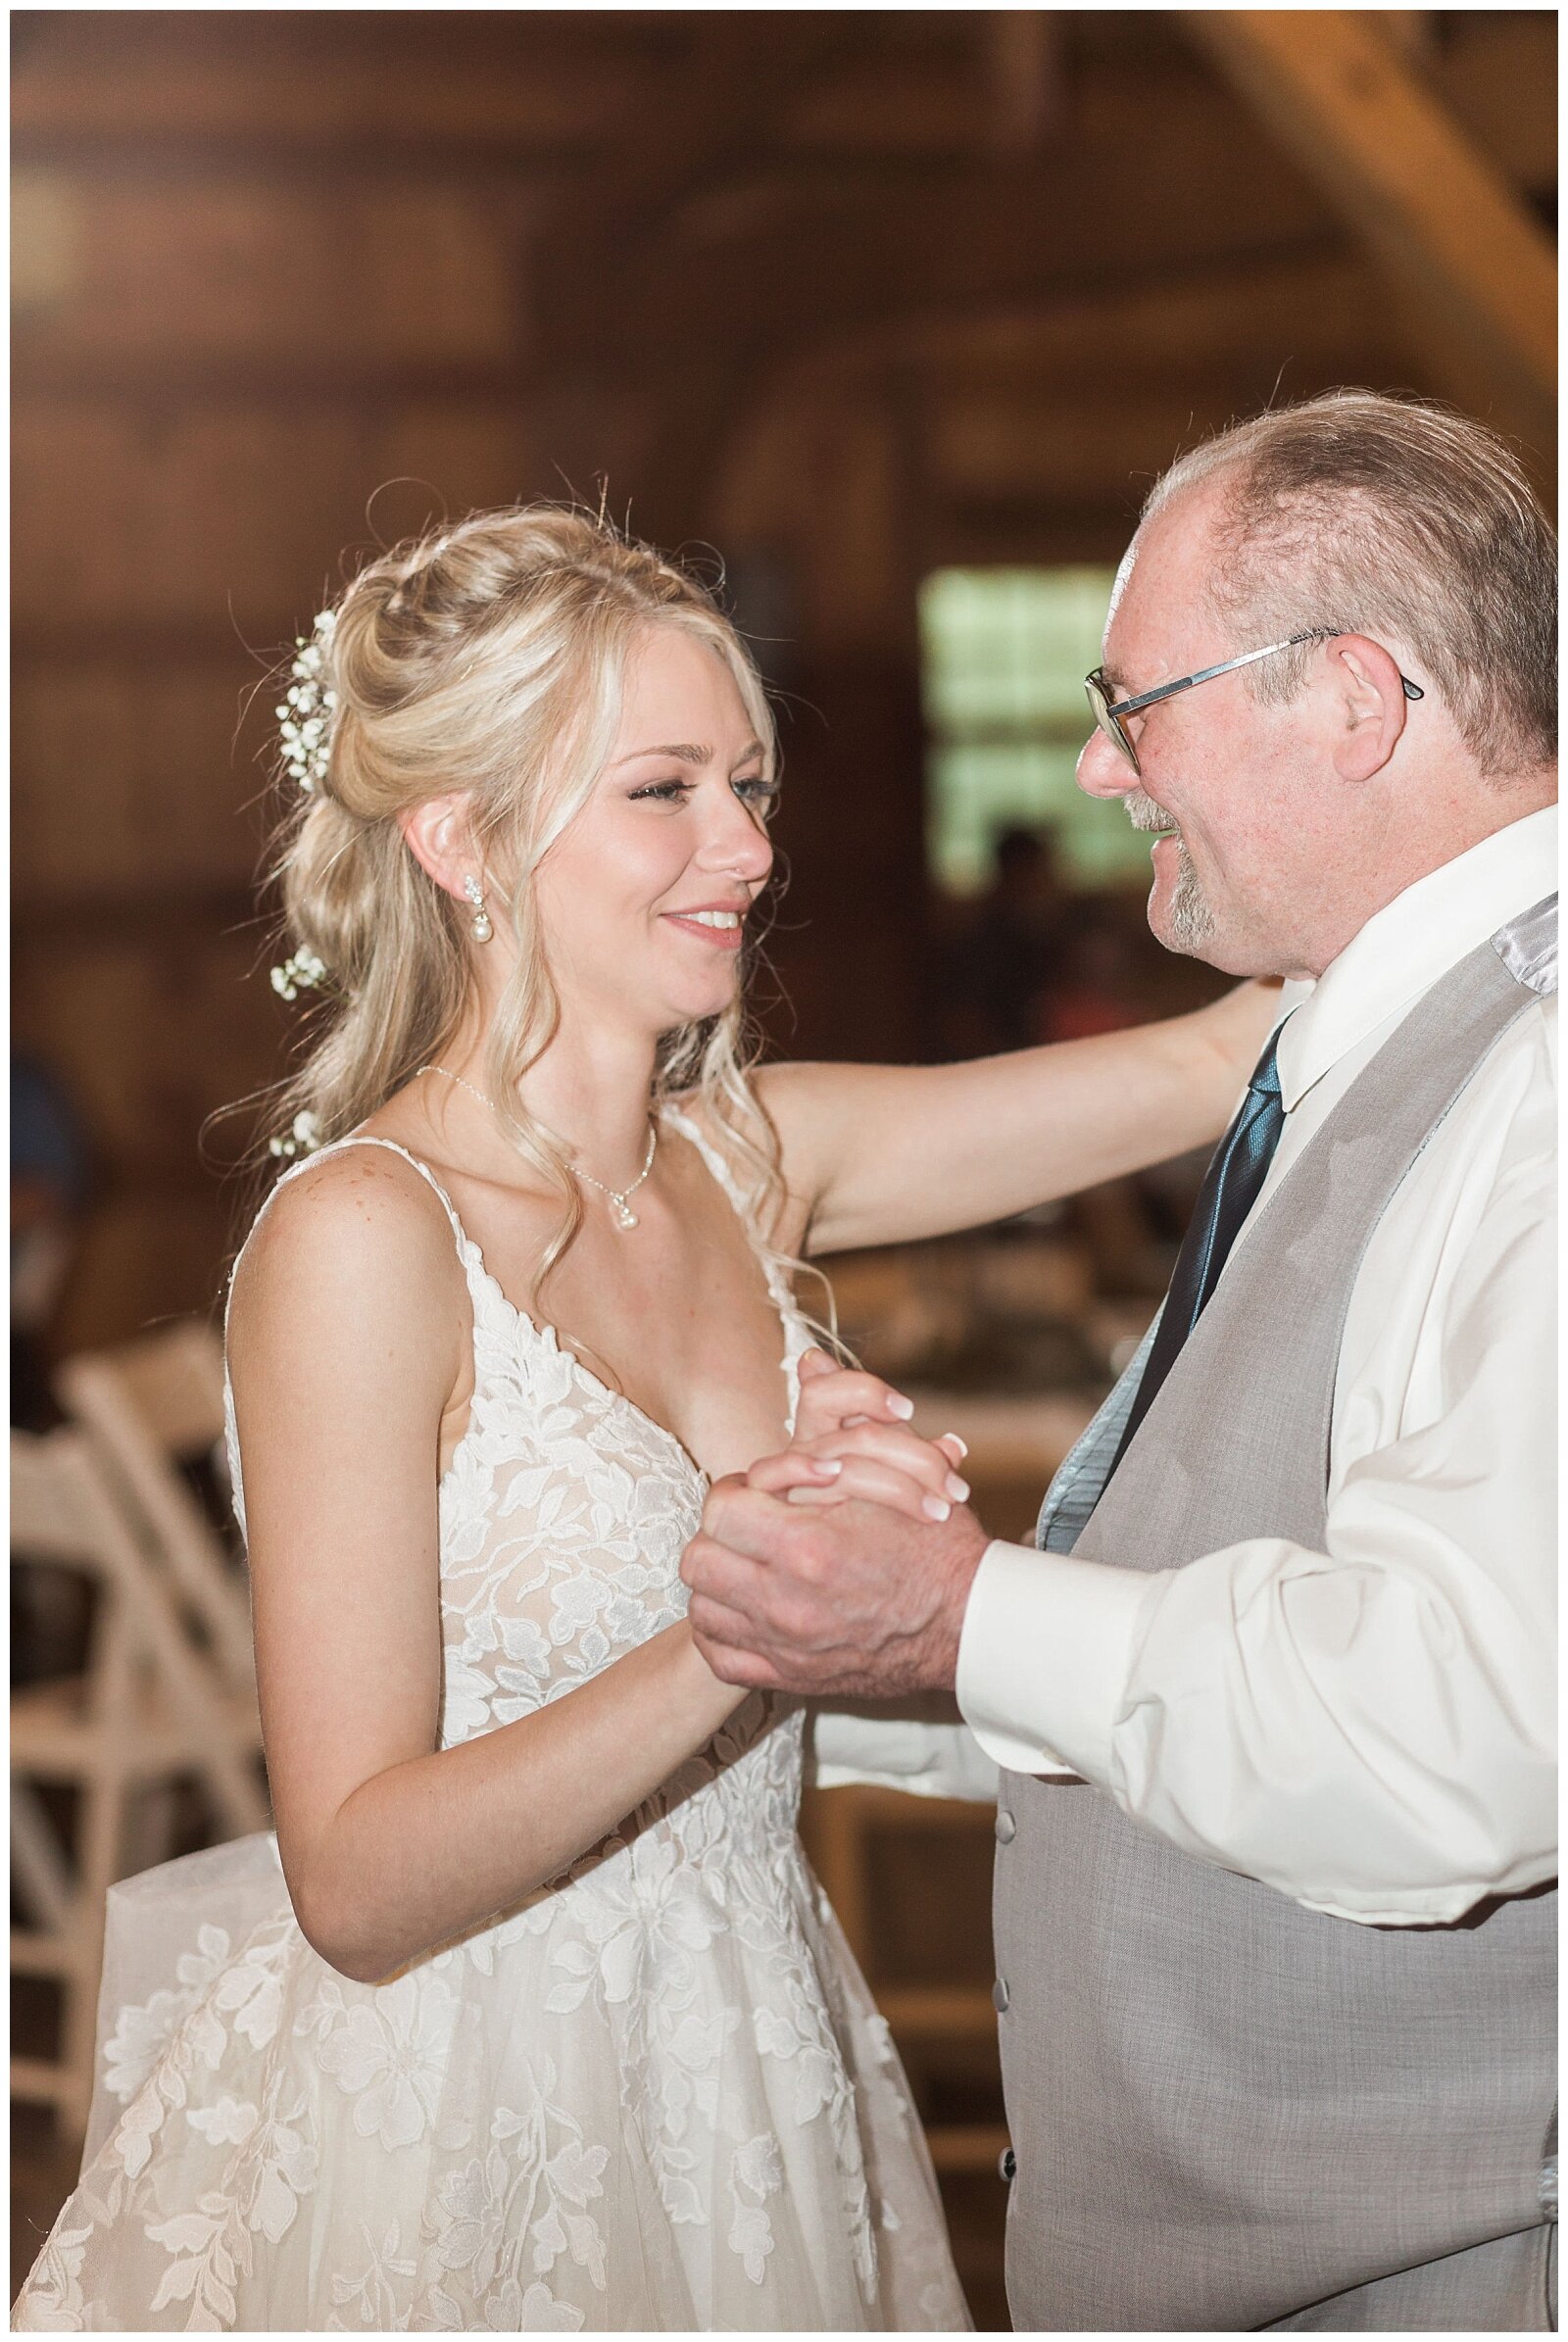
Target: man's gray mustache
<point>1143,814</point>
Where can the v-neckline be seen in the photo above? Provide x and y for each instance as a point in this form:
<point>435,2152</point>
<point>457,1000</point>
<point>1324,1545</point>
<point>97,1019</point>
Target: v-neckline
<point>543,1330</point>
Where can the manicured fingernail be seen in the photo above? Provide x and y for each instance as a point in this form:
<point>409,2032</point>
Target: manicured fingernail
<point>957,1488</point>
<point>962,1445</point>
<point>831,1465</point>
<point>934,1509</point>
<point>899,1405</point>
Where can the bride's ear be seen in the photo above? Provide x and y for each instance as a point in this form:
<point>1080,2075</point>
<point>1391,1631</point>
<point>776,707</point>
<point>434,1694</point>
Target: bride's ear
<point>438,836</point>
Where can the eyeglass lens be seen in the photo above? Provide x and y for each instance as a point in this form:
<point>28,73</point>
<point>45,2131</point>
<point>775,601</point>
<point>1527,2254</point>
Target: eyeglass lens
<point>1099,706</point>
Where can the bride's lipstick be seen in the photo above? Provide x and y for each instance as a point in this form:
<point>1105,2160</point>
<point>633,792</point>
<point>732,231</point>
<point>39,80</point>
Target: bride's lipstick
<point>721,924</point>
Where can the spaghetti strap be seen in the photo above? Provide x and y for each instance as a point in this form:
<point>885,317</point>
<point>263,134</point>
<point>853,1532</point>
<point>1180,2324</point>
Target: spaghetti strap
<point>468,1258</point>
<point>466,1247</point>
<point>355,1139</point>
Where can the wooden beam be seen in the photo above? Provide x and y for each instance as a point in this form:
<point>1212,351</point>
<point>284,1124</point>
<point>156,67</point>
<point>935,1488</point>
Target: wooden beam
<point>152,84</point>
<point>984,446</point>
<point>386,105</point>
<point>1315,311</point>
<point>1410,183</point>
<point>1092,206</point>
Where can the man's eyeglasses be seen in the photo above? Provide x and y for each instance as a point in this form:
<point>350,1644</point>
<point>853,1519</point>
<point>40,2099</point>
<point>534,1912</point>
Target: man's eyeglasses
<point>1110,715</point>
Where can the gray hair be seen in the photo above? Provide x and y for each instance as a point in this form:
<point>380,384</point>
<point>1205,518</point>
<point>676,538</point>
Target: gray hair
<point>1360,514</point>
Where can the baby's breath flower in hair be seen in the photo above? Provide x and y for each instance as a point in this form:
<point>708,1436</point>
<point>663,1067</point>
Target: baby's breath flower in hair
<point>304,1137</point>
<point>304,719</point>
<point>301,972</point>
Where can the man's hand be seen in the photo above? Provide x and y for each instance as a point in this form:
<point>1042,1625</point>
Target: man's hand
<point>854,1599</point>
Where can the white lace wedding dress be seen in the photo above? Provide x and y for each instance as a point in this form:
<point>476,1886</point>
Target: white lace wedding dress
<point>655,2095</point>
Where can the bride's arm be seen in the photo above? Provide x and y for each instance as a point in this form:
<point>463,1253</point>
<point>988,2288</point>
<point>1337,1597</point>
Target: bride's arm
<point>348,1340</point>
<point>881,1154</point>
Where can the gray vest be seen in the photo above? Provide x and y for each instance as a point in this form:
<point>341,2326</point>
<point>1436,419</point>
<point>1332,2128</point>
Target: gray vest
<point>1225,2106</point>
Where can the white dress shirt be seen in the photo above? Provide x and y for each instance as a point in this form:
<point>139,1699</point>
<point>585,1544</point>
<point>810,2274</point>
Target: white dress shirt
<point>921,1747</point>
<point>1406,1675</point>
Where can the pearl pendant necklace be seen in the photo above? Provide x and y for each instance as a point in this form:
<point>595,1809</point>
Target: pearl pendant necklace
<point>625,1217</point>
<point>620,1197</point>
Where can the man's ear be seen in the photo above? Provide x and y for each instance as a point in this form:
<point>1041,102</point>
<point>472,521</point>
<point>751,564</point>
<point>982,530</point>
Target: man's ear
<point>1372,706</point>
<point>437,835</point>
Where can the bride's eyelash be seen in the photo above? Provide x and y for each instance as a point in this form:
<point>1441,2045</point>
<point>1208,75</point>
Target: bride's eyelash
<point>758,790</point>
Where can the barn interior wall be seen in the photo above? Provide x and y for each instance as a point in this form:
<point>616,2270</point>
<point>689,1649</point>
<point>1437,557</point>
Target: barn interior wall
<point>832,298</point>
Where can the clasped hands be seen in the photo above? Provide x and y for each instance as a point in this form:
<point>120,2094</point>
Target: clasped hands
<point>843,1564</point>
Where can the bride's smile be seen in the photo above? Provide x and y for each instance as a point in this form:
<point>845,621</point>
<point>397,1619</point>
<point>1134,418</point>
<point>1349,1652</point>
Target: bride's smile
<point>644,897</point>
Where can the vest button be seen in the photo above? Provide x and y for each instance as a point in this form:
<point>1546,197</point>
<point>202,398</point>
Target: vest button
<point>1000,1996</point>
<point>1007,2163</point>
<point>1006,1826</point>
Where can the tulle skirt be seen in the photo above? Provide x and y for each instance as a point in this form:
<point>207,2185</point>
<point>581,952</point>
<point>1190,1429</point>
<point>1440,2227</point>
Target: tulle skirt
<point>644,2101</point>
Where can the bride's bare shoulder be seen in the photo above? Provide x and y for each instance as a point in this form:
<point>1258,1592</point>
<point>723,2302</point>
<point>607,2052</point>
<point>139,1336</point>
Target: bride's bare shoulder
<point>360,1232</point>
<point>350,1326</point>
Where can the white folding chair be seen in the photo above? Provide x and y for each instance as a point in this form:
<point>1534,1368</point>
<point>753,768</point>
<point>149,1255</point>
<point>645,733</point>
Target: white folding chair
<point>149,1707</point>
<point>150,1405</point>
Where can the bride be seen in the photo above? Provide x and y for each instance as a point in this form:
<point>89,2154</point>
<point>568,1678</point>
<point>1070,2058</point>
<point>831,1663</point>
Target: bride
<point>532,2015</point>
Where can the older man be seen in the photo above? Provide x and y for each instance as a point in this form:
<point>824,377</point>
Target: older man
<point>1274,1918</point>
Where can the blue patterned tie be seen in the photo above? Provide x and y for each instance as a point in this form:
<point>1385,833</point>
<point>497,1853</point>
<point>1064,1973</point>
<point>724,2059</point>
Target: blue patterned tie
<point>1230,1188</point>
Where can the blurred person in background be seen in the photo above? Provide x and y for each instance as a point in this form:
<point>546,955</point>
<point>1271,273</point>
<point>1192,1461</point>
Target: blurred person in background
<point>997,971</point>
<point>1277,1838</point>
<point>1093,986</point>
<point>50,1180</point>
<point>1096,990</point>
<point>532,2015</point>
<point>50,1169</point>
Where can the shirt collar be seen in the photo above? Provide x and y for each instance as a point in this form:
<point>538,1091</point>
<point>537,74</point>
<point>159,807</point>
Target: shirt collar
<point>1412,940</point>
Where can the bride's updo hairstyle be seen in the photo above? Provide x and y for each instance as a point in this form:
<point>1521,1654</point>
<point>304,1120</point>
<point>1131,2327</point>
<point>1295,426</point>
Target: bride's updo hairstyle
<point>489,658</point>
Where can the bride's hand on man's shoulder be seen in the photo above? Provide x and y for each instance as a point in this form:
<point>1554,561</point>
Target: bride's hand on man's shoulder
<point>853,1442</point>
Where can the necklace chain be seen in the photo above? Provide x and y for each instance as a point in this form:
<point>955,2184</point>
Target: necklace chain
<point>625,1217</point>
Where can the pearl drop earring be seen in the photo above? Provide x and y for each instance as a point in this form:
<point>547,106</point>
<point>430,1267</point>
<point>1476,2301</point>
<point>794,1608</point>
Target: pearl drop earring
<point>483,929</point>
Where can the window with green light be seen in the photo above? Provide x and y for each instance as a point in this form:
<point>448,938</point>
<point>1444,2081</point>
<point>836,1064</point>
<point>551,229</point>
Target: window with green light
<point>1004,653</point>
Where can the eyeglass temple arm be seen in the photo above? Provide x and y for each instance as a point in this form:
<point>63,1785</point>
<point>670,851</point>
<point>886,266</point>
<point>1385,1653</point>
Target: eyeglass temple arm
<point>1168,691</point>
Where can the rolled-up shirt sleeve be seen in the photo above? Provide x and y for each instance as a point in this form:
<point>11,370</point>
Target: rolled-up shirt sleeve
<point>1369,1729</point>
